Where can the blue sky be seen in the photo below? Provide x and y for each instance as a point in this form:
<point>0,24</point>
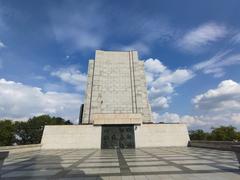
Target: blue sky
<point>190,49</point>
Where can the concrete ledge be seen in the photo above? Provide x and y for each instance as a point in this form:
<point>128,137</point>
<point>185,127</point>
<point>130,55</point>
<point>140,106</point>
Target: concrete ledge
<point>101,119</point>
<point>20,148</point>
<point>220,145</point>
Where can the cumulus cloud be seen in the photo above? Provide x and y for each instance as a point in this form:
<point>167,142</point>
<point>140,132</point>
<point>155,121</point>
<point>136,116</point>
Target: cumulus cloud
<point>162,81</point>
<point>154,66</point>
<point>176,118</point>
<point>216,64</point>
<point>19,101</point>
<point>160,102</point>
<point>225,98</point>
<point>219,106</point>
<point>205,121</point>
<point>196,39</point>
<point>73,76</point>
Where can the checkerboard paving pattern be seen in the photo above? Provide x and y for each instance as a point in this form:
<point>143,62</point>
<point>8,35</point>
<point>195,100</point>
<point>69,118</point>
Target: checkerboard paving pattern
<point>171,163</point>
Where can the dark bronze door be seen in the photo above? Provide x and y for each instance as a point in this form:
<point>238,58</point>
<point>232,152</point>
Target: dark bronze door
<point>118,136</point>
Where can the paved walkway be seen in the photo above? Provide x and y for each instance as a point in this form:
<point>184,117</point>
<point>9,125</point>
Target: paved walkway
<point>150,163</point>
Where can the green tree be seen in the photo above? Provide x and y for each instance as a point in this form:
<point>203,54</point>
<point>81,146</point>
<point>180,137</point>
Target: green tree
<point>197,135</point>
<point>6,133</point>
<point>30,132</point>
<point>224,133</point>
<point>238,136</point>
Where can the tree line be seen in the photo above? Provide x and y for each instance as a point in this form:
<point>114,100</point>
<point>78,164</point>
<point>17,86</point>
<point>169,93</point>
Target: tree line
<point>30,131</point>
<point>27,132</point>
<point>222,133</point>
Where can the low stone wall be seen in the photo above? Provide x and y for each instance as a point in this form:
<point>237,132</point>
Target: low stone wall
<point>220,145</point>
<point>89,136</point>
<point>161,135</point>
<point>20,148</point>
<point>71,137</point>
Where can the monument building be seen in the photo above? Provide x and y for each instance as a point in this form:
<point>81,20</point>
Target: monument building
<point>116,111</point>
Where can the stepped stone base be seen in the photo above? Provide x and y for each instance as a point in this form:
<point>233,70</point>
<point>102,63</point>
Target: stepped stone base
<point>89,136</point>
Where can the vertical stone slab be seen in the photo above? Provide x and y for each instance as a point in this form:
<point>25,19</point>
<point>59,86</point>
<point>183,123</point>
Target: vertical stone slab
<point>87,100</point>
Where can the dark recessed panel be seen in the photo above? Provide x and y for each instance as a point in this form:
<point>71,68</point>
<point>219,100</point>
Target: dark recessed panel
<point>118,136</point>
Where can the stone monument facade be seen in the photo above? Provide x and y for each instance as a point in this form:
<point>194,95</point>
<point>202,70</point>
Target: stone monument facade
<point>116,89</point>
<point>116,112</point>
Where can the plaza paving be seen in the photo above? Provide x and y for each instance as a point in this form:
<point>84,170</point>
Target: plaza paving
<point>151,163</point>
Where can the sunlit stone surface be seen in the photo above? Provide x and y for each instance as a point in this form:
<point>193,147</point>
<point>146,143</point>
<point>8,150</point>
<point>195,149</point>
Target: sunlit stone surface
<point>144,163</point>
<point>116,85</point>
<point>116,111</point>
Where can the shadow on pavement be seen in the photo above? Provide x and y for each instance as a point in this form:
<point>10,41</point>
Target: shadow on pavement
<point>42,167</point>
<point>3,155</point>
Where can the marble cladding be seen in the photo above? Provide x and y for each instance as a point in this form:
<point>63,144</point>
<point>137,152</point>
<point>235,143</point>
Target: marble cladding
<point>116,84</point>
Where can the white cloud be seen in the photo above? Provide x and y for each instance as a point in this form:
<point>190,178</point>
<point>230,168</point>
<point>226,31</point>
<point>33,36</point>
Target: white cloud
<point>198,38</point>
<point>176,77</point>
<point>176,118</point>
<point>224,99</point>
<point>141,47</point>
<point>216,107</point>
<point>2,45</point>
<point>19,101</point>
<point>154,66</point>
<point>78,29</point>
<point>162,81</point>
<point>73,76</point>
<point>205,121</point>
<point>160,102</point>
<point>217,63</point>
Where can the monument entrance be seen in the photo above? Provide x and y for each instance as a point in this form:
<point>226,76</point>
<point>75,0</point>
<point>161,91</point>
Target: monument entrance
<point>117,136</point>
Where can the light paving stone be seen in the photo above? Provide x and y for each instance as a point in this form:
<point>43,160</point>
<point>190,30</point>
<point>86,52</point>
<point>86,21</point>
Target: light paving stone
<point>154,169</point>
<point>152,177</point>
<point>45,167</point>
<point>32,173</point>
<point>98,164</point>
<point>127,178</point>
<point>146,163</point>
<point>194,161</point>
<point>141,177</point>
<point>180,158</point>
<point>201,167</point>
<point>95,170</point>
